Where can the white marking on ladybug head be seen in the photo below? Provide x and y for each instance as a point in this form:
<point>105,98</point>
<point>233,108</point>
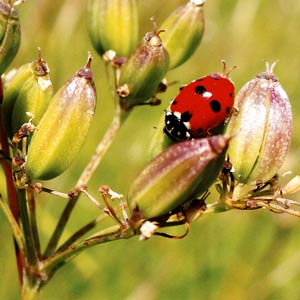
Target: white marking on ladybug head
<point>187,125</point>
<point>177,114</point>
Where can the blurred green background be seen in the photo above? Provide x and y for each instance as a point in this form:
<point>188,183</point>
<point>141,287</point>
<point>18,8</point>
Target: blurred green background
<point>230,256</point>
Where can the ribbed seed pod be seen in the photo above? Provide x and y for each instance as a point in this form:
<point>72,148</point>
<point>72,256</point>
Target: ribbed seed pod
<point>10,34</point>
<point>261,129</point>
<point>63,127</point>
<point>177,175</point>
<point>184,30</point>
<point>143,71</point>
<point>34,95</point>
<point>113,25</point>
<point>12,84</point>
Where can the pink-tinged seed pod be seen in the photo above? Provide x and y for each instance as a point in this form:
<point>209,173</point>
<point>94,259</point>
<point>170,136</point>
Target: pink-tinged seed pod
<point>261,129</point>
<point>177,175</point>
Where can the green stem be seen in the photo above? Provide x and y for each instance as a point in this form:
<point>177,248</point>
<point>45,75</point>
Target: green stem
<point>32,220</point>
<point>61,257</point>
<point>82,231</point>
<point>31,253</point>
<point>119,118</point>
<point>30,289</point>
<point>18,235</point>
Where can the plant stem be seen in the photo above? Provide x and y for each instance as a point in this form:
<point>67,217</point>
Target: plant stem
<point>119,118</point>
<point>18,235</point>
<point>61,257</point>
<point>11,191</point>
<point>31,253</point>
<point>30,289</point>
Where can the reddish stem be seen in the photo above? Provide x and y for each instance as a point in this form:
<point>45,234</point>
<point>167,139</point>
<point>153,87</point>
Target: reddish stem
<point>11,191</point>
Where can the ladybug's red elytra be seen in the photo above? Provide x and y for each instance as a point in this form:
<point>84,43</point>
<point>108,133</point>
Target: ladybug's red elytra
<point>200,106</point>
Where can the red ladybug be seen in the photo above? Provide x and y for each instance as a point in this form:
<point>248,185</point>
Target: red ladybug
<point>200,106</point>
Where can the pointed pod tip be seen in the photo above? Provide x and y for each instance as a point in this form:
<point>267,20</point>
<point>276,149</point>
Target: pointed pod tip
<point>269,73</point>
<point>86,72</point>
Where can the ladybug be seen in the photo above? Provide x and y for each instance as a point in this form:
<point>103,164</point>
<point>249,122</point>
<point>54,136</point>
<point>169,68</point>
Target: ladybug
<point>200,106</point>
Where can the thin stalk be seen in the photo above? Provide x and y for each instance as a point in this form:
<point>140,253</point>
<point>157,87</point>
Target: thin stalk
<point>59,258</point>
<point>18,235</point>
<point>10,186</point>
<point>119,118</point>
<point>82,231</point>
<point>31,253</point>
<point>33,222</point>
<point>30,289</point>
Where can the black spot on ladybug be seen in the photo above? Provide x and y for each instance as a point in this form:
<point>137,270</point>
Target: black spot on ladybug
<point>230,95</point>
<point>174,102</point>
<point>200,89</point>
<point>215,105</point>
<point>199,130</point>
<point>186,116</point>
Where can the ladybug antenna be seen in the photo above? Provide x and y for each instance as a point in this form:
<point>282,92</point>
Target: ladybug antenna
<point>226,73</point>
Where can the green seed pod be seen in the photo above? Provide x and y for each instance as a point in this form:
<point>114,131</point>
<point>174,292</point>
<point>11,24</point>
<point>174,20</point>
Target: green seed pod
<point>63,127</point>
<point>159,141</point>
<point>34,95</point>
<point>143,71</point>
<point>184,30</point>
<point>177,175</point>
<point>10,34</point>
<point>12,84</point>
<point>261,129</point>
<point>113,25</point>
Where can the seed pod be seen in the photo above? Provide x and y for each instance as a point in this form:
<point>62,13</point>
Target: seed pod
<point>34,95</point>
<point>261,129</point>
<point>113,25</point>
<point>12,84</point>
<point>177,175</point>
<point>63,127</point>
<point>159,141</point>
<point>184,30</point>
<point>143,71</point>
<point>10,34</point>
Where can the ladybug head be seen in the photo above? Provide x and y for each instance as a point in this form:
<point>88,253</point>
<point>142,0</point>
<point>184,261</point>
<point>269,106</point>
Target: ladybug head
<point>175,128</point>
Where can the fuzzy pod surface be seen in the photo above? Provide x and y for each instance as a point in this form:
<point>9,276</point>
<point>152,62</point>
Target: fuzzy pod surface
<point>63,127</point>
<point>177,175</point>
<point>261,129</point>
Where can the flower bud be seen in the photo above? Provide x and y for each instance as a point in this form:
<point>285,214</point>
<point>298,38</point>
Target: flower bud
<point>113,25</point>
<point>184,30</point>
<point>143,71</point>
<point>63,127</point>
<point>177,175</point>
<point>34,95</point>
<point>261,129</point>
<point>10,34</point>
<point>12,84</point>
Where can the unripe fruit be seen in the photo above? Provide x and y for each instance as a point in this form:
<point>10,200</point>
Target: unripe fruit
<point>113,25</point>
<point>63,127</point>
<point>184,30</point>
<point>143,71</point>
<point>261,129</point>
<point>10,34</point>
<point>179,174</point>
